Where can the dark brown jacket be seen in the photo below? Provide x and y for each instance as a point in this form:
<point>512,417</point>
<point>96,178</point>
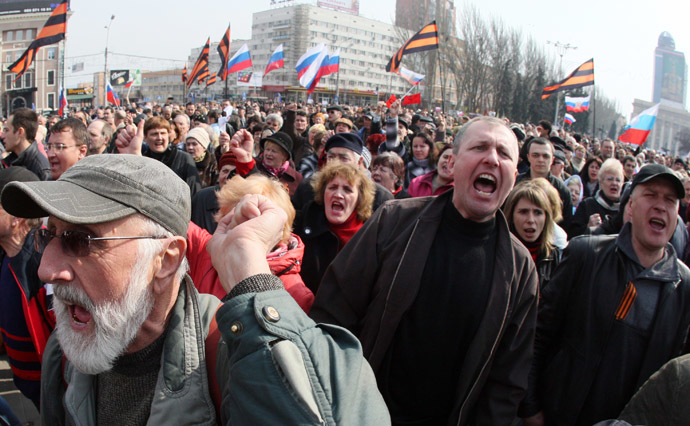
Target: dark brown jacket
<point>375,278</point>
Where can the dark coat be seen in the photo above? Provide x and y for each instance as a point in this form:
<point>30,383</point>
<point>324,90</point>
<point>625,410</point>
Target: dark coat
<point>31,159</point>
<point>320,244</point>
<point>577,313</point>
<point>205,207</point>
<point>376,277</point>
<point>589,206</point>
<point>179,162</point>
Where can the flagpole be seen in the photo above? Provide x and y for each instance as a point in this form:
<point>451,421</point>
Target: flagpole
<point>594,113</point>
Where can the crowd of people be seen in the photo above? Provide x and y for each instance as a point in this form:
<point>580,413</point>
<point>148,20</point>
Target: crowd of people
<point>243,262</point>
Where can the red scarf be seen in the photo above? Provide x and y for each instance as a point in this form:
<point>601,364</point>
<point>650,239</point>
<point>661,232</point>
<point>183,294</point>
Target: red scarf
<point>277,172</point>
<point>346,230</point>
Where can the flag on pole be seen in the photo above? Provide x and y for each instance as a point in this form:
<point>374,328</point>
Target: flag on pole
<point>184,74</point>
<point>568,118</point>
<point>211,80</point>
<point>276,60</point>
<point>573,104</point>
<point>331,64</point>
<point>200,69</point>
<point>425,39</point>
<point>390,101</point>
<point>309,66</point>
<point>581,77</point>
<point>240,60</point>
<point>412,99</point>
<point>637,131</point>
<point>224,53</point>
<point>129,83</point>
<point>411,76</point>
<point>62,102</point>
<point>111,96</point>
<point>52,32</point>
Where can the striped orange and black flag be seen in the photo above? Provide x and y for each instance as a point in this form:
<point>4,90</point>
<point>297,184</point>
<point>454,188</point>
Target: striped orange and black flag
<point>200,70</point>
<point>581,77</point>
<point>629,296</point>
<point>224,53</point>
<point>52,32</point>
<point>184,74</point>
<point>211,80</point>
<point>425,39</point>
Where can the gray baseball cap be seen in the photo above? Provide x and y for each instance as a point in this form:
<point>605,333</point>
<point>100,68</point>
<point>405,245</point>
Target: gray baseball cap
<point>106,187</point>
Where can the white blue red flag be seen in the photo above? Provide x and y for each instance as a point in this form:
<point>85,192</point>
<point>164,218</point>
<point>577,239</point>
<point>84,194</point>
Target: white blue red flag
<point>637,131</point>
<point>240,60</point>
<point>331,64</point>
<point>62,102</point>
<point>309,66</point>
<point>111,96</point>
<point>573,104</point>
<point>568,118</point>
<point>276,60</point>
<point>412,77</point>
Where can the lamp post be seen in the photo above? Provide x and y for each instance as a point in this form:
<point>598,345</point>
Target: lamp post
<point>105,68</point>
<point>561,49</point>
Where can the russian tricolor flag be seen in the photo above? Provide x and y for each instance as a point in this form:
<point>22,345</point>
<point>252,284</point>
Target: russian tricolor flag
<point>573,104</point>
<point>129,83</point>
<point>62,103</point>
<point>331,64</point>
<point>276,60</point>
<point>412,77</point>
<point>310,66</point>
<point>111,96</point>
<point>637,131</point>
<point>568,118</point>
<point>240,60</point>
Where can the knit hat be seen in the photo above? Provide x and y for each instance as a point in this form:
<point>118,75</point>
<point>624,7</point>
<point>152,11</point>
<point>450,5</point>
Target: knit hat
<point>281,139</point>
<point>200,135</point>
<point>350,141</point>
<point>227,159</point>
<point>103,188</point>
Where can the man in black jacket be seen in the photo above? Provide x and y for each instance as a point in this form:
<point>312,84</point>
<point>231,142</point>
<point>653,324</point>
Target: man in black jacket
<point>617,308</point>
<point>19,134</point>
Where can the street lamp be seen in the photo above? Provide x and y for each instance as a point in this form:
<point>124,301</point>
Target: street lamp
<point>105,68</point>
<point>561,49</point>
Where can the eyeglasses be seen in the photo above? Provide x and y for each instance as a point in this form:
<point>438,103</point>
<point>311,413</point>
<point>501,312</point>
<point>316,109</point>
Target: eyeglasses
<point>57,147</point>
<point>77,243</point>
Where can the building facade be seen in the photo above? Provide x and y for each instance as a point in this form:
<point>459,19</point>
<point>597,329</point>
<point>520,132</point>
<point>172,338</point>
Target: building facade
<point>670,73</point>
<point>39,86</point>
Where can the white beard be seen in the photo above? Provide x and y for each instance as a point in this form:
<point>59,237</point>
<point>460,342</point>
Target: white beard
<point>115,322</point>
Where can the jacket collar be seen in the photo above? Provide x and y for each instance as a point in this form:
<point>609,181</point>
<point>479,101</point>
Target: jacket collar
<point>665,270</point>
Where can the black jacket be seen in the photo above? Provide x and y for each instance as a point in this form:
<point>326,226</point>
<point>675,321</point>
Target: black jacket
<point>205,207</point>
<point>577,313</point>
<point>31,159</point>
<point>589,206</point>
<point>320,244</point>
<point>179,162</point>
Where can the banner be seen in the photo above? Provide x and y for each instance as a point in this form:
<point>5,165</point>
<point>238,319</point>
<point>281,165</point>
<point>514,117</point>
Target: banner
<point>249,79</point>
<point>118,77</point>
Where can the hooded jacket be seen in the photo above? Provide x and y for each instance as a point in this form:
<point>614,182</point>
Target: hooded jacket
<point>578,311</point>
<point>376,277</point>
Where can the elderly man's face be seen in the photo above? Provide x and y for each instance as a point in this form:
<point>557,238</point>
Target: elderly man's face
<point>96,140</point>
<point>102,299</point>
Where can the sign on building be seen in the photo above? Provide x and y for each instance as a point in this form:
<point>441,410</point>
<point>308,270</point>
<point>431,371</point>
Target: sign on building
<point>119,77</point>
<point>347,6</point>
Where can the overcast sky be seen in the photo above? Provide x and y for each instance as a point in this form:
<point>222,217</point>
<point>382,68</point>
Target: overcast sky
<point>620,36</point>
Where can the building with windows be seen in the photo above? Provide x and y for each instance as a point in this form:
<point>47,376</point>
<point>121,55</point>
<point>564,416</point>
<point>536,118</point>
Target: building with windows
<point>670,73</point>
<point>670,128</point>
<point>39,86</point>
<point>365,46</point>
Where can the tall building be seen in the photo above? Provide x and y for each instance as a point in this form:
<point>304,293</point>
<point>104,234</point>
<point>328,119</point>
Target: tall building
<point>365,47</point>
<point>39,86</point>
<point>670,73</point>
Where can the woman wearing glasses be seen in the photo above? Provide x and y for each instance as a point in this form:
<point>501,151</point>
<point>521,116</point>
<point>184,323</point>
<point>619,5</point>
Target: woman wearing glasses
<point>594,210</point>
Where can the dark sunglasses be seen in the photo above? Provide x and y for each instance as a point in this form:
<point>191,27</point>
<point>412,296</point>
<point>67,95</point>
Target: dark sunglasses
<point>76,243</point>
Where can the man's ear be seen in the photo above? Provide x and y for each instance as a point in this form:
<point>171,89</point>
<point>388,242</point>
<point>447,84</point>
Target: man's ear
<point>168,262</point>
<point>83,149</point>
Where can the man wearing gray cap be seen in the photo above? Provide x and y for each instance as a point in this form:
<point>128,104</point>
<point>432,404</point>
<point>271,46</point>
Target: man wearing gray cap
<point>135,332</point>
<point>617,308</point>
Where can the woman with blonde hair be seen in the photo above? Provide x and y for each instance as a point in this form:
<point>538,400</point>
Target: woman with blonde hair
<point>285,260</point>
<point>343,200</point>
<point>529,213</point>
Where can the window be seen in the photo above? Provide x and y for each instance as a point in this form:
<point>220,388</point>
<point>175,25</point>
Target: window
<point>8,58</point>
<point>27,79</point>
<point>51,78</point>
<point>20,35</point>
<point>51,100</point>
<point>18,83</point>
<point>8,81</point>
<point>9,36</point>
<point>51,53</point>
